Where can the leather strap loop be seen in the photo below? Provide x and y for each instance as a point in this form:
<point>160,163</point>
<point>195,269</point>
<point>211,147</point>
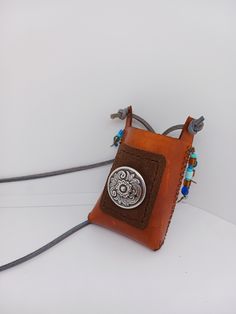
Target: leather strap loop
<point>185,135</point>
<point>128,122</point>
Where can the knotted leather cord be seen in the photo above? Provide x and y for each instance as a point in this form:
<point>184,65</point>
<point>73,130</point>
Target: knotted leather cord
<point>195,126</point>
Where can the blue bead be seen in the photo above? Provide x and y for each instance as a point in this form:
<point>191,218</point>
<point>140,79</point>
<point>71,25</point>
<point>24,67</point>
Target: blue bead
<point>184,190</point>
<point>120,133</point>
<point>193,155</point>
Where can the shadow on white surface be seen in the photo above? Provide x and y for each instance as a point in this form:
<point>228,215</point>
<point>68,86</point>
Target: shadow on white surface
<point>98,271</point>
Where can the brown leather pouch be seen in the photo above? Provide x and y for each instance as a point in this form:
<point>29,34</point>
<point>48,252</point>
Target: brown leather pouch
<point>140,194</point>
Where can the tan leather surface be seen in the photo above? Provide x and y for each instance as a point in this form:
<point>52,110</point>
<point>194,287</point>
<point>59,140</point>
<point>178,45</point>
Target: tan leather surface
<point>176,152</point>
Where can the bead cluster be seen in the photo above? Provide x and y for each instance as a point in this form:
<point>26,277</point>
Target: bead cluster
<point>117,138</point>
<point>189,174</point>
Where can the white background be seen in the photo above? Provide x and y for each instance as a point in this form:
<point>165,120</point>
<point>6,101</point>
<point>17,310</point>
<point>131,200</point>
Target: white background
<point>66,65</point>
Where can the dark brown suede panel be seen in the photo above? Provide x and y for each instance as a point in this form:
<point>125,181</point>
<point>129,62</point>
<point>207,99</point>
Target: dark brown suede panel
<point>151,167</point>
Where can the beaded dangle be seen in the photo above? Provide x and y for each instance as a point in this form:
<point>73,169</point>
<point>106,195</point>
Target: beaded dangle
<point>117,138</point>
<point>189,174</point>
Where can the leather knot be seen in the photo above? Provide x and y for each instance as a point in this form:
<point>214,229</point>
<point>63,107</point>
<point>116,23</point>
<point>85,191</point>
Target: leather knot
<point>121,114</point>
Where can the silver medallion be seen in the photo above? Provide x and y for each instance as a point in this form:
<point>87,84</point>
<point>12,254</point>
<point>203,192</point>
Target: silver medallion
<point>126,187</point>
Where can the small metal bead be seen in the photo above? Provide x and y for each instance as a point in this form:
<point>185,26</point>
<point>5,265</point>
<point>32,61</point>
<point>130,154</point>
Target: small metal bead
<point>192,162</point>
<point>187,183</point>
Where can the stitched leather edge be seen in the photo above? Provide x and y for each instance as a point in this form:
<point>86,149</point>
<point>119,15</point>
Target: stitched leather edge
<point>184,164</point>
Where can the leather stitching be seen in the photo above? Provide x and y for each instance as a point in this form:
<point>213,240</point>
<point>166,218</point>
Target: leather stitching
<point>184,164</point>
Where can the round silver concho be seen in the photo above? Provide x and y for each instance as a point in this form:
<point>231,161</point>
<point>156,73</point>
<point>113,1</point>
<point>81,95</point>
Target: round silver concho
<point>126,187</point>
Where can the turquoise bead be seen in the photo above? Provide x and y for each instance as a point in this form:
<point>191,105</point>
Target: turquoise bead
<point>189,174</point>
<point>193,155</point>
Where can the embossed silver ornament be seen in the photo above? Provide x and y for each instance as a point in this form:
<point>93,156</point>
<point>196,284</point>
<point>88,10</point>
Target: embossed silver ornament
<point>126,187</point>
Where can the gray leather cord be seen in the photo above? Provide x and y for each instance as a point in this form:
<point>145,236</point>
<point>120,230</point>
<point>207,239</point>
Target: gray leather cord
<point>195,126</point>
<point>57,172</point>
<point>173,128</point>
<point>45,247</point>
<point>122,114</point>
